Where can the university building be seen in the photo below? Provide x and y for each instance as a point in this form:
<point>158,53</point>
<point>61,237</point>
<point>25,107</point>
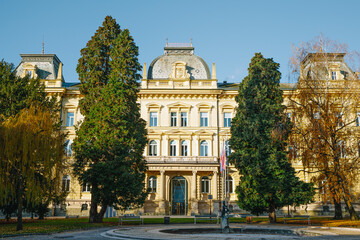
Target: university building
<point>188,114</point>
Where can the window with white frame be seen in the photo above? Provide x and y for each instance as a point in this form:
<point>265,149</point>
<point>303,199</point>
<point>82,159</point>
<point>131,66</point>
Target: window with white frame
<point>227,119</point>
<point>204,119</point>
<point>204,148</point>
<point>153,148</point>
<point>152,184</point>
<point>229,184</point>
<point>173,119</point>
<point>68,150</point>
<point>339,120</point>
<point>70,116</point>
<point>184,119</point>
<point>86,187</point>
<point>184,148</point>
<point>153,119</point>
<point>205,185</point>
<point>172,148</point>
<point>29,73</point>
<point>333,75</point>
<point>66,183</point>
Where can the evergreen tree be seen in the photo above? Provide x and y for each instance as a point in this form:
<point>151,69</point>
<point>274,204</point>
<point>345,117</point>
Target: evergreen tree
<point>111,139</point>
<point>259,134</point>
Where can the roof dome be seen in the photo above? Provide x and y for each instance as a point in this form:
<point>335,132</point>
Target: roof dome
<point>162,66</point>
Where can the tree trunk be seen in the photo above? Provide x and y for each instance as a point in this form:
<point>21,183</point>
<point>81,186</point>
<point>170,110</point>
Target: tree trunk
<point>338,210</point>
<point>93,211</point>
<point>350,208</point>
<point>19,199</point>
<point>272,214</point>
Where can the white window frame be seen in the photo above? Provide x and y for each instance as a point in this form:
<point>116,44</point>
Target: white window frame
<point>205,184</point>
<point>68,149</point>
<point>183,119</point>
<point>66,181</point>
<point>153,148</point>
<point>70,120</point>
<point>86,187</point>
<point>204,119</point>
<point>173,119</point>
<point>184,148</point>
<point>153,119</point>
<point>227,116</point>
<point>172,148</point>
<point>152,184</point>
<point>333,75</point>
<point>229,184</point>
<point>204,148</point>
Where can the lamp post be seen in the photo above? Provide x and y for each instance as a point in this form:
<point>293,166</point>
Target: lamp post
<point>210,196</point>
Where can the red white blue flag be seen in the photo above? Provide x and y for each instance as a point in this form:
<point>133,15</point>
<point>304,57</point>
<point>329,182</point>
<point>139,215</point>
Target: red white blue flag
<point>223,160</point>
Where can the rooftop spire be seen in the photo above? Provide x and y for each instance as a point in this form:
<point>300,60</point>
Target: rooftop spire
<point>43,46</point>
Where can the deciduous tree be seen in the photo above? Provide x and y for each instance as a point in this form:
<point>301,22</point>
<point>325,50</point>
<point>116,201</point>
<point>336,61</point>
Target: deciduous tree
<point>111,139</point>
<point>325,108</point>
<point>31,158</point>
<point>259,135</point>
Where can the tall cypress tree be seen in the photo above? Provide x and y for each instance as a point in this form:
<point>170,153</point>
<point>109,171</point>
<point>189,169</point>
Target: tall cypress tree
<point>259,134</point>
<point>111,139</point>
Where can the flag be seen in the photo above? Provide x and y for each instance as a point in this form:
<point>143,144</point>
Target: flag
<point>223,160</point>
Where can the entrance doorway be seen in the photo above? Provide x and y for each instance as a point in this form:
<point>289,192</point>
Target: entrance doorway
<point>178,196</point>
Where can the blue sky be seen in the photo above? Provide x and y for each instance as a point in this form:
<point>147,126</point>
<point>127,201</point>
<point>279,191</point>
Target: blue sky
<point>225,32</point>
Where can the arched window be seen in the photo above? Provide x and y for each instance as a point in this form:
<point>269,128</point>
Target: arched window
<point>204,148</point>
<point>68,150</point>
<point>227,148</point>
<point>205,185</point>
<point>229,184</point>
<point>184,148</point>
<point>152,184</point>
<point>153,148</point>
<point>66,183</point>
<point>172,148</point>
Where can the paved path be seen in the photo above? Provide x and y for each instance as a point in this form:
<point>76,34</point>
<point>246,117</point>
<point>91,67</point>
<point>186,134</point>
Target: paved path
<point>154,232</point>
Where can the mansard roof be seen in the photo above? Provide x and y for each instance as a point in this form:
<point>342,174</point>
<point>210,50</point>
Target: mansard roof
<point>161,67</point>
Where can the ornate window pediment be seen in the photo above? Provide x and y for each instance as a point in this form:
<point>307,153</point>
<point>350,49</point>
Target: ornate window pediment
<point>179,71</point>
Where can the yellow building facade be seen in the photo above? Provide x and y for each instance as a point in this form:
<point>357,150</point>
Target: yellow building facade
<point>188,114</point>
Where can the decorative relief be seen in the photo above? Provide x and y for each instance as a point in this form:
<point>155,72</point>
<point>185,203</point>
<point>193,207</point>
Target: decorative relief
<point>179,71</point>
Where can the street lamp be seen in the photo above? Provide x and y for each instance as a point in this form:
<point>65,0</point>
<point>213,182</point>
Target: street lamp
<point>210,196</point>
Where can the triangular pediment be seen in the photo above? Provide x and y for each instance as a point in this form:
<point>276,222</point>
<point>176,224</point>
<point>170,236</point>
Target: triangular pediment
<point>179,132</point>
<point>178,105</point>
<point>204,132</point>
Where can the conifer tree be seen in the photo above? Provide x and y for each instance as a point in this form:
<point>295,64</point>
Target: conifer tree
<point>111,139</point>
<point>259,134</point>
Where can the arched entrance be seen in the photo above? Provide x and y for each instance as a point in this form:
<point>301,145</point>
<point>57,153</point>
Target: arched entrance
<point>178,195</point>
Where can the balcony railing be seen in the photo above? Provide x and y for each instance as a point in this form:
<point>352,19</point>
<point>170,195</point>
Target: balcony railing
<point>167,159</point>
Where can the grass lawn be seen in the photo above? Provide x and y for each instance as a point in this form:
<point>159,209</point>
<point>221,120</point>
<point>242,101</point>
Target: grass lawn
<point>32,226</point>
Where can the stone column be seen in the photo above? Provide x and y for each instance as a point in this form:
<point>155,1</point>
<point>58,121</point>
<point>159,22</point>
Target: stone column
<point>162,206</point>
<point>194,201</point>
<point>214,185</point>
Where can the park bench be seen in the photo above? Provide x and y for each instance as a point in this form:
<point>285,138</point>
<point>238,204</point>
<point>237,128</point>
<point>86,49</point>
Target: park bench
<point>72,216</point>
<point>130,218</point>
<point>206,218</point>
<point>298,217</point>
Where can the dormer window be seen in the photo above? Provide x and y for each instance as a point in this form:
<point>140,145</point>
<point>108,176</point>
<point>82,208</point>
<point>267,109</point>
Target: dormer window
<point>29,74</point>
<point>333,75</point>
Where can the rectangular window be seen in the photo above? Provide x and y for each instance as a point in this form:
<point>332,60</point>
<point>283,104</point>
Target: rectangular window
<point>183,119</point>
<point>227,119</point>
<point>173,119</point>
<point>153,119</point>
<point>70,119</point>
<point>29,73</point>
<point>204,119</point>
<point>333,75</point>
<point>86,187</point>
<point>358,119</point>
